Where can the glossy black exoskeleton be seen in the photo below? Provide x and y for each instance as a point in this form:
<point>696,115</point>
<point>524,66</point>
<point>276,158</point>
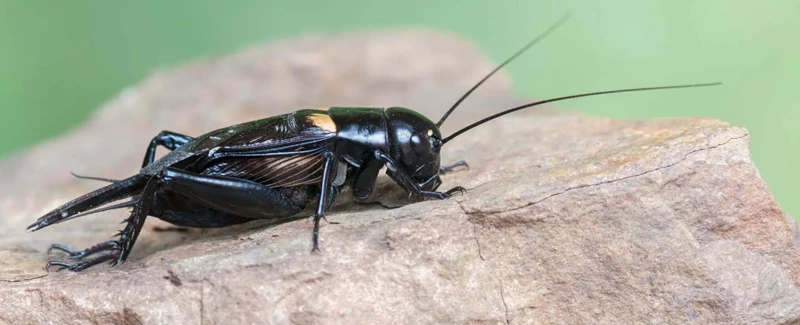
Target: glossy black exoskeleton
<point>274,168</point>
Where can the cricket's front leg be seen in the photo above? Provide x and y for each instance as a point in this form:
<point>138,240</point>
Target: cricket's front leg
<point>410,185</point>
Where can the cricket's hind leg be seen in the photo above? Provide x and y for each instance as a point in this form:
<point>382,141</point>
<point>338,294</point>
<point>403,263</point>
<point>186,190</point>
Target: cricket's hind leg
<point>233,196</point>
<point>249,199</point>
<point>236,200</point>
<point>115,251</point>
<point>182,211</point>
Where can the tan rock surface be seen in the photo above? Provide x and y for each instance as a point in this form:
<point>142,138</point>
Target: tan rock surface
<point>568,219</point>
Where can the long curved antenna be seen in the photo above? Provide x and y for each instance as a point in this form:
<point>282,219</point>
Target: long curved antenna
<point>467,128</point>
<point>525,48</point>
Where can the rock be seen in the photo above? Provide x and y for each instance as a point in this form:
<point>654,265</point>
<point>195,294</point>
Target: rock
<point>568,220</point>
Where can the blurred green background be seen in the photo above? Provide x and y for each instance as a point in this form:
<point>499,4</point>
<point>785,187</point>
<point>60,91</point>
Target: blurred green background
<point>59,60</point>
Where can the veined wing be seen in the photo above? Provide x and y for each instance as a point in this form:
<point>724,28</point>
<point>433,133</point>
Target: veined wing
<point>305,129</point>
<point>280,151</point>
<point>273,171</point>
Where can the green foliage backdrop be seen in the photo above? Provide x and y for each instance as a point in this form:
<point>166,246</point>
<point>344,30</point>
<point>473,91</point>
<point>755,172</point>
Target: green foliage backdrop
<point>59,60</point>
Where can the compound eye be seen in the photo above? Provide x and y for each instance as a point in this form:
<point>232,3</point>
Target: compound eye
<point>421,144</point>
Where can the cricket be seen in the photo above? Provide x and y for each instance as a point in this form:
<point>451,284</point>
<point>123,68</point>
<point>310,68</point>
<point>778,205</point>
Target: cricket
<point>276,167</point>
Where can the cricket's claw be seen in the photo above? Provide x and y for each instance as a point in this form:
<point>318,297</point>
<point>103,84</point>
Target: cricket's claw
<point>60,248</point>
<point>63,265</point>
<point>457,189</point>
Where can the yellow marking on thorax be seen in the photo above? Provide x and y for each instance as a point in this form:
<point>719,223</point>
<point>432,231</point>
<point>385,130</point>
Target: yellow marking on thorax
<point>322,108</point>
<point>322,121</point>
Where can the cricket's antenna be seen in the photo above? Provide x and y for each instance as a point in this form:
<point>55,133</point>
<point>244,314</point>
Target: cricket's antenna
<point>467,128</point>
<point>525,48</point>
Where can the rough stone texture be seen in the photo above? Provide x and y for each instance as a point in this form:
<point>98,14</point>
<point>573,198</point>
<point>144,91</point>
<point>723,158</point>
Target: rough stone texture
<point>568,220</point>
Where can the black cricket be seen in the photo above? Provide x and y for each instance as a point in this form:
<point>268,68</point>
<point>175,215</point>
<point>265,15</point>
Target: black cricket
<point>275,167</point>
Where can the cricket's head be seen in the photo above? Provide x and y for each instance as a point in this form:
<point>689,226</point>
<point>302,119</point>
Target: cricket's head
<point>415,144</point>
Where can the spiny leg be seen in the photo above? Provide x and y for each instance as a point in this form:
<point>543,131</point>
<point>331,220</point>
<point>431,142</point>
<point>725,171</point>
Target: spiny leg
<point>325,197</point>
<point>135,223</point>
<point>402,178</point>
<point>118,250</point>
<point>167,139</point>
<point>247,198</point>
<point>333,193</point>
<point>446,169</point>
<point>230,195</point>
